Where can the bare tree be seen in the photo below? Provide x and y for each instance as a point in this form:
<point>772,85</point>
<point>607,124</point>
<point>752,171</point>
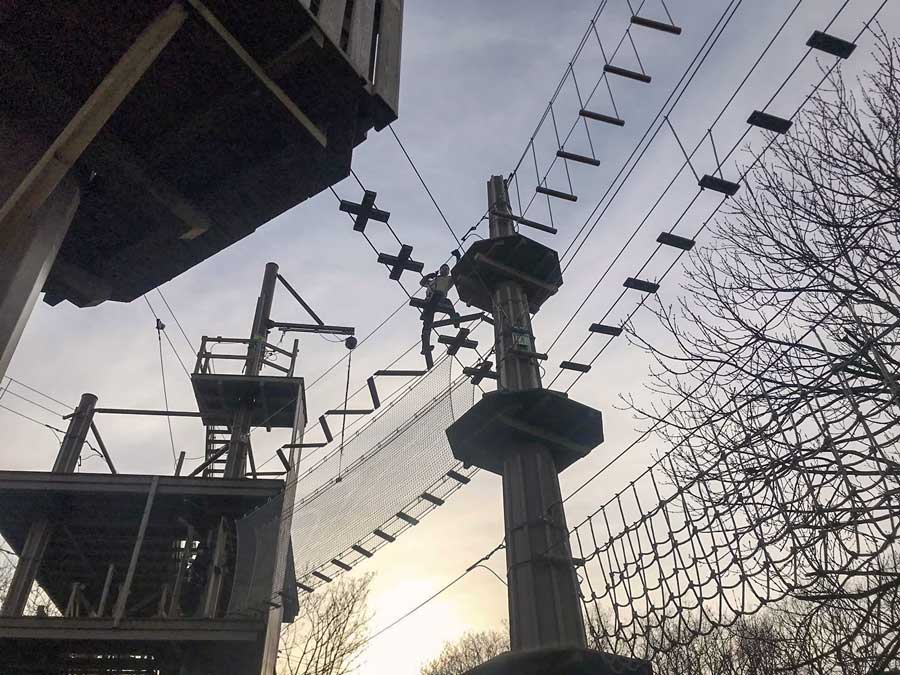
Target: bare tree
<point>783,356</point>
<point>470,650</point>
<point>330,631</point>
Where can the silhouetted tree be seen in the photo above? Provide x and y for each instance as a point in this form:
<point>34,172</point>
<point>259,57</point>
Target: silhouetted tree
<point>470,650</point>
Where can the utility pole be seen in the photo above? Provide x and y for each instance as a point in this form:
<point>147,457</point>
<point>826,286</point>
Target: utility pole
<point>523,432</point>
<point>239,445</point>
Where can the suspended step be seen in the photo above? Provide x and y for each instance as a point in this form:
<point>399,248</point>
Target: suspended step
<point>565,154</point>
<point>524,221</point>
<point>304,445</point>
<point>350,411</point>
<point>340,563</point>
<point>443,307</point>
<point>458,477</point>
<point>479,373</point>
<point>556,193</point>
<point>384,535</point>
<point>376,402</point>
<point>284,460</point>
<point>459,341</point>
<point>641,285</point>
<point>716,184</point>
<point>624,72</point>
<point>830,44</point>
<point>428,497</point>
<point>578,367</point>
<point>429,359</point>
<point>600,117</point>
<point>656,25</point>
<point>323,577</point>
<point>603,329</point>
<point>401,262</point>
<point>362,551</point>
<point>778,125</point>
<point>465,318</point>
<point>405,517</point>
<point>528,354</point>
<point>364,211</point>
<point>399,373</point>
<point>669,239</point>
<point>325,430</point>
<point>304,587</point>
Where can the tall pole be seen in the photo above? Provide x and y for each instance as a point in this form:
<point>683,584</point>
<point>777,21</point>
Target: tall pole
<point>544,606</point>
<point>239,445</point>
<point>41,529</point>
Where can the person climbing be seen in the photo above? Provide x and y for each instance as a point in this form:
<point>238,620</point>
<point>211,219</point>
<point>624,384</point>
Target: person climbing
<point>437,286</point>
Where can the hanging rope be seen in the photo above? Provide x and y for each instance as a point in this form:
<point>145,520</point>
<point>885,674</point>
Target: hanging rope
<point>160,327</point>
<point>351,343</point>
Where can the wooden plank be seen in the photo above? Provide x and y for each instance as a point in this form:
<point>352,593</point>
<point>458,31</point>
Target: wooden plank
<point>387,68</point>
<point>359,49</point>
<point>258,71</point>
<point>62,154</point>
<point>331,18</point>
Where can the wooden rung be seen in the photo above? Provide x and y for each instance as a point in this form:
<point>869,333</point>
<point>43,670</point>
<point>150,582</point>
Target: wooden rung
<point>779,125</point>
<point>362,551</point>
<point>429,359</point>
<point>716,184</point>
<point>458,477</point>
<point>384,535</point>
<point>603,329</point>
<point>376,402</point>
<point>571,365</point>
<point>463,319</point>
<point>340,563</point>
<point>565,154</point>
<point>323,577</point>
<point>399,373</point>
<point>428,497</point>
<point>304,445</point>
<point>656,25</point>
<point>600,117</point>
<point>284,460</point>
<point>641,285</point>
<point>556,193</point>
<point>529,354</point>
<point>407,518</point>
<point>669,239</point>
<point>304,587</point>
<point>830,44</point>
<point>624,72</point>
<point>350,411</point>
<point>325,430</point>
<point>526,222</point>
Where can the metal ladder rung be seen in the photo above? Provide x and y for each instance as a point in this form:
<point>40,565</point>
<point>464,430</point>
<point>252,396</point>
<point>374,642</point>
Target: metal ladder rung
<point>641,285</point>
<point>584,159</point>
<point>830,44</point>
<point>600,117</point>
<point>571,365</point>
<point>716,184</point>
<point>556,193</point>
<point>773,123</point>
<point>656,25</point>
<point>669,239</point>
<point>604,329</point>
<point>624,72</point>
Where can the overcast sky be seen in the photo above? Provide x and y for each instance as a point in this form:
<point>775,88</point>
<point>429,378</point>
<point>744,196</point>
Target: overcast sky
<point>476,77</point>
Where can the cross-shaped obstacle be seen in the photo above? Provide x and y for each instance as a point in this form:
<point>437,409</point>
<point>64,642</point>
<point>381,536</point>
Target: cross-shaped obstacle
<point>481,371</point>
<point>459,341</point>
<point>364,211</point>
<point>401,262</point>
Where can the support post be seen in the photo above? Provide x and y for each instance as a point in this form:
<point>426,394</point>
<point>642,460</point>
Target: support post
<point>122,599</point>
<point>41,530</point>
<point>544,607</point>
<point>239,445</point>
<point>36,210</point>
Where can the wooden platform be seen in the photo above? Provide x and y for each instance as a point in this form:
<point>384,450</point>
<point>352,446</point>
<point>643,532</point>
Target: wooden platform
<point>97,516</point>
<point>200,154</point>
<point>276,398</point>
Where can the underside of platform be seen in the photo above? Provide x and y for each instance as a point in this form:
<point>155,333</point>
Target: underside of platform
<point>200,153</point>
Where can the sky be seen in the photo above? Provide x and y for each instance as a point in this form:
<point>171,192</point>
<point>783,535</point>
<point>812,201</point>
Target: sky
<point>476,78</point>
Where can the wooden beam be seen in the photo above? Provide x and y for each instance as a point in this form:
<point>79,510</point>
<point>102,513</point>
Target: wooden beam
<point>62,154</point>
<point>258,71</point>
<point>121,601</point>
<point>387,66</point>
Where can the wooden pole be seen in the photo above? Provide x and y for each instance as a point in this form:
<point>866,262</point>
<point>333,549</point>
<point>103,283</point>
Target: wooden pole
<point>125,589</point>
